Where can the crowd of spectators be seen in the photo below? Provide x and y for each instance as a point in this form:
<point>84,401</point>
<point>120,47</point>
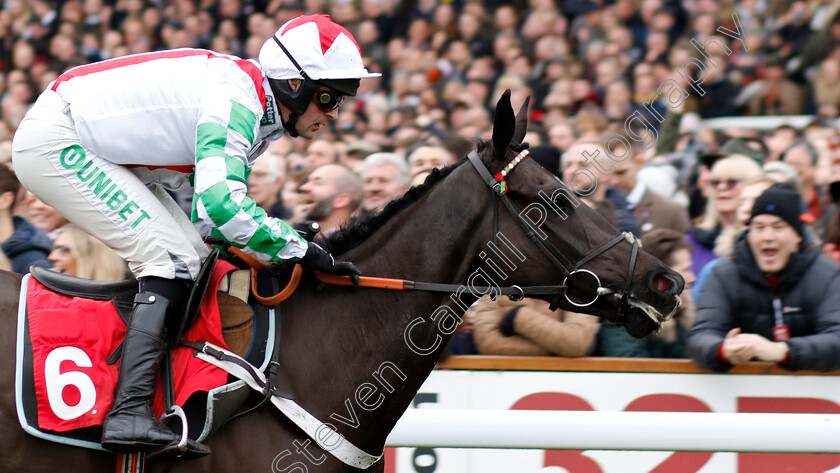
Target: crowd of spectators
<point>589,65</point>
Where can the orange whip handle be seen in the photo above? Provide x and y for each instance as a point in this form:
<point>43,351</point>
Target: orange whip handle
<point>297,273</point>
<point>257,265</point>
<point>365,281</point>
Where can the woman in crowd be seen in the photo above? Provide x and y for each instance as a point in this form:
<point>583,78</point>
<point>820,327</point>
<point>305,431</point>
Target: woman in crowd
<point>76,253</point>
<point>726,182</point>
<point>42,215</point>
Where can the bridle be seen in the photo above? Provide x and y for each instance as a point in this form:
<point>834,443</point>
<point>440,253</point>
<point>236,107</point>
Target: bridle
<point>498,187</point>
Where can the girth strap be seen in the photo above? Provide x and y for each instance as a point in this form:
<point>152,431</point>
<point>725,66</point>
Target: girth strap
<point>318,431</point>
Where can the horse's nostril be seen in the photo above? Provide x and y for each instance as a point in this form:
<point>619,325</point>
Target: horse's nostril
<point>662,283</point>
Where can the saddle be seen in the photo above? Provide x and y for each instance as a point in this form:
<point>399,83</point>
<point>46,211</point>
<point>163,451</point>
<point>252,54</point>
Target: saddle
<point>69,337</point>
<point>242,345</point>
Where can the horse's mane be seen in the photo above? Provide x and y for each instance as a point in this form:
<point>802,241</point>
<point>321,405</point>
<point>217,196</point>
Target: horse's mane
<point>355,232</point>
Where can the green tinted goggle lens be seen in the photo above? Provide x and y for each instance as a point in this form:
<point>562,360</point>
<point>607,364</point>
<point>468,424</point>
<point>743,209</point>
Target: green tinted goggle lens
<point>328,100</point>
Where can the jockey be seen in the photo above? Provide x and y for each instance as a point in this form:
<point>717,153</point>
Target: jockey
<point>105,140</point>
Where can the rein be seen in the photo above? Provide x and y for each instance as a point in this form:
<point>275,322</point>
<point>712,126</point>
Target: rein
<point>498,187</point>
<point>514,292</point>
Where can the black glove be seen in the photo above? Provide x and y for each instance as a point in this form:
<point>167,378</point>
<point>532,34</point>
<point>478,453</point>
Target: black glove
<point>506,324</point>
<point>319,259</point>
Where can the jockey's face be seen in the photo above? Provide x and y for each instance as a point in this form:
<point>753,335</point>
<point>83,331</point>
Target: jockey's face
<point>314,119</point>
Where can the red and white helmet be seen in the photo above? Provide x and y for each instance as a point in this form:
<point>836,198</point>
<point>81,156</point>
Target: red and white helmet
<point>322,48</point>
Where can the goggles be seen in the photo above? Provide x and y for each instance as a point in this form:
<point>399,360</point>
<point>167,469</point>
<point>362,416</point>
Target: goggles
<point>328,100</point>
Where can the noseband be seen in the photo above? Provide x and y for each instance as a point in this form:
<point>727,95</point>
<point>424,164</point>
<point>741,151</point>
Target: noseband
<point>498,187</point>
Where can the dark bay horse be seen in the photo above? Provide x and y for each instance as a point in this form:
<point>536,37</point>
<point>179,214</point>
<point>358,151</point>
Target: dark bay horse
<point>355,357</point>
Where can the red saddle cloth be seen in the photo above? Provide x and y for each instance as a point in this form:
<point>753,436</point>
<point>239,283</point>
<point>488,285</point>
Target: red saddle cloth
<point>72,339</point>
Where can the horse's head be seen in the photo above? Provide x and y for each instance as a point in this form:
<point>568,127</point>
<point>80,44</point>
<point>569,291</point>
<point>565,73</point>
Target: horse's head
<point>605,273</point>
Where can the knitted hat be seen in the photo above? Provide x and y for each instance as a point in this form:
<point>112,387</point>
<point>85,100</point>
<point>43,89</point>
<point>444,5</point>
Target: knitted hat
<point>783,201</point>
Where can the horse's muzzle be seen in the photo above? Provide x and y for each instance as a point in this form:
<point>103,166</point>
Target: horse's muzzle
<point>642,318</point>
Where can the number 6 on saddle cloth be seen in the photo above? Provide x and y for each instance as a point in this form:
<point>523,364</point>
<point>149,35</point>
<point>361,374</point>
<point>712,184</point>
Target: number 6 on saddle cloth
<point>69,331</point>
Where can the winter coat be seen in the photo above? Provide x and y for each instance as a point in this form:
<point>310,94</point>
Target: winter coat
<point>279,210</point>
<point>625,221</point>
<point>539,331</point>
<point>27,246</point>
<point>614,341</point>
<point>703,245</point>
<point>738,294</point>
<point>718,101</point>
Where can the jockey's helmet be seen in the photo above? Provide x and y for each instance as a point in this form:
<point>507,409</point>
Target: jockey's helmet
<point>318,51</point>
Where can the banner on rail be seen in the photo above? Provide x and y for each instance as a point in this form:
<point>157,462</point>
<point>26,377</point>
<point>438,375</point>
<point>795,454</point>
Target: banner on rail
<point>618,392</point>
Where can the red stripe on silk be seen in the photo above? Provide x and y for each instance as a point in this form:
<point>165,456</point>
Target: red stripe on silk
<point>247,67</point>
<point>125,61</point>
<point>328,30</point>
<point>256,75</point>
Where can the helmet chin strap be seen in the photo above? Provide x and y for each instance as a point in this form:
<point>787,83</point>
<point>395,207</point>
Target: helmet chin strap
<point>294,101</point>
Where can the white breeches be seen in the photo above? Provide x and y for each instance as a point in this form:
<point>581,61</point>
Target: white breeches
<point>140,221</point>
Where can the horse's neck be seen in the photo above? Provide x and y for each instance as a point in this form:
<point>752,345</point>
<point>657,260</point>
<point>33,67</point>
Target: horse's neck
<point>374,347</point>
<point>436,239</point>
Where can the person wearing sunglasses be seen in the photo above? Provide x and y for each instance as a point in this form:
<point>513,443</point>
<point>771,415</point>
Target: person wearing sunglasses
<point>725,182</point>
<point>106,140</point>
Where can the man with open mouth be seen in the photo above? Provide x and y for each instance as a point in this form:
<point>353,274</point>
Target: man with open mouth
<point>777,299</point>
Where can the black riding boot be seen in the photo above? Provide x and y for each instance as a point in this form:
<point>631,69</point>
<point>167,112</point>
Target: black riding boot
<point>131,426</point>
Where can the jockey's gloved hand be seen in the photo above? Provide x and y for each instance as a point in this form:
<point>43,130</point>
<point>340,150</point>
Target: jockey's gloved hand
<point>319,259</point>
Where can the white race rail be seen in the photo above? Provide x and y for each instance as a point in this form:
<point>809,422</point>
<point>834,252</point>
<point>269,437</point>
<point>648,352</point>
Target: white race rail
<point>588,430</point>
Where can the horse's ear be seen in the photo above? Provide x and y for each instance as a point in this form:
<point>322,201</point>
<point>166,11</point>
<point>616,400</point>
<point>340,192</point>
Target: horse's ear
<point>521,121</point>
<point>503,124</point>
